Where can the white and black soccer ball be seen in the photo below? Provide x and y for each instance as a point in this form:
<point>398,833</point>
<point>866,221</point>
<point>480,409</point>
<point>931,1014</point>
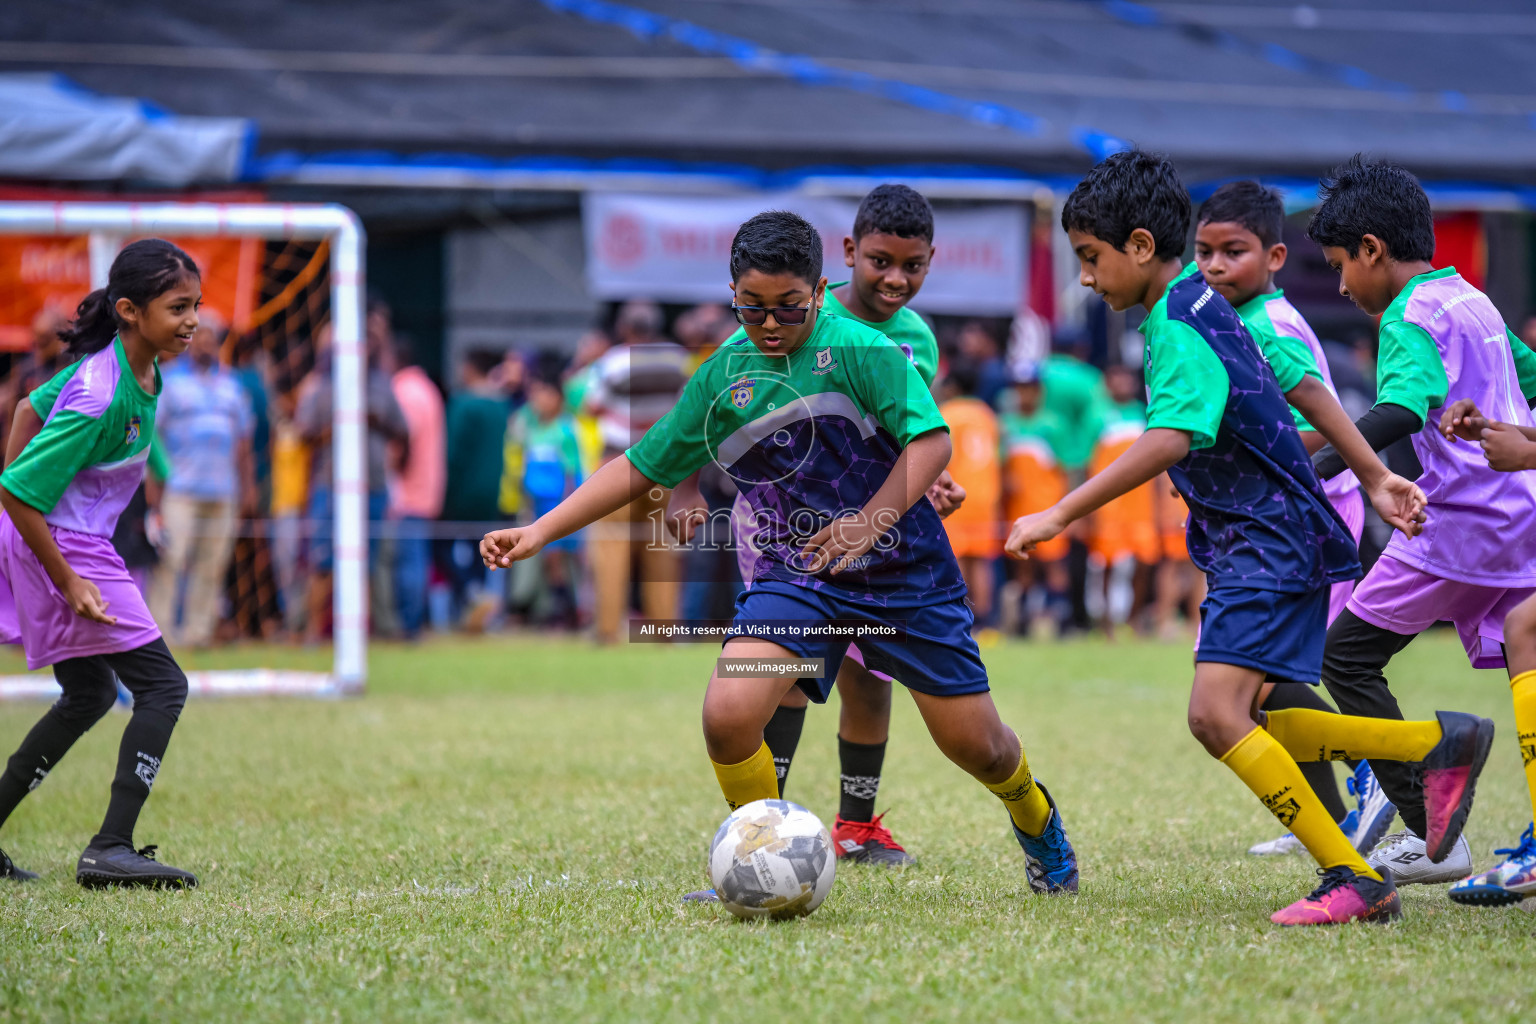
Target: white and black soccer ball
<point>772,858</point>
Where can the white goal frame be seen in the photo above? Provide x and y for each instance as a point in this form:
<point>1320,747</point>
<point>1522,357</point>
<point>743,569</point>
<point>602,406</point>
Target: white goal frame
<point>108,225</point>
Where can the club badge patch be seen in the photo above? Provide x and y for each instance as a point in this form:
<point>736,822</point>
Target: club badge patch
<point>741,393</point>
<point>132,431</point>
<point>824,361</point>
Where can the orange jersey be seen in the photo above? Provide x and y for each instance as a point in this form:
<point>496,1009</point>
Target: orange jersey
<point>975,528</point>
<point>1128,524</point>
<point>1033,478</point>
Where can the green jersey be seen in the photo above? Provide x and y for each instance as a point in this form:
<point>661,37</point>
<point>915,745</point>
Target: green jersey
<point>1074,391</point>
<point>82,468</point>
<point>808,437</point>
<point>1186,382</point>
<point>907,329</point>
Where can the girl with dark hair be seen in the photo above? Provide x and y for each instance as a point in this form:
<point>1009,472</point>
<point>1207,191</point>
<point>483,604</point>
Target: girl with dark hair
<point>75,457</point>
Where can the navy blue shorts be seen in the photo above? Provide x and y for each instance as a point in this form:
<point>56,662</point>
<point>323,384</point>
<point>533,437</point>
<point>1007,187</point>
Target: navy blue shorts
<point>1281,635</point>
<point>935,655</point>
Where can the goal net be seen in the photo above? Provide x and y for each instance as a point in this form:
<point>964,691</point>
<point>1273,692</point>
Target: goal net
<point>282,271</point>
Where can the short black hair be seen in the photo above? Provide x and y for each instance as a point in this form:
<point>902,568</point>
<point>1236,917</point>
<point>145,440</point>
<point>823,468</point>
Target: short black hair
<point>777,242</point>
<point>1257,208</point>
<point>894,210</point>
<point>1131,190</point>
<point>483,360</point>
<point>1378,198</point>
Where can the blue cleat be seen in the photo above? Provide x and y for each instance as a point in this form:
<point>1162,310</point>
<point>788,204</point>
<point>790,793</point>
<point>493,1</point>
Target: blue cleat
<point>1373,811</point>
<point>1049,860</point>
<point>1509,882</point>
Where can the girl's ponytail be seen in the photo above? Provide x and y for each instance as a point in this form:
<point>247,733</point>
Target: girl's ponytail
<point>93,328</point>
<point>143,270</point>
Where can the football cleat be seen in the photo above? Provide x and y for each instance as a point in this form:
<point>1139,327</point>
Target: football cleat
<point>1403,854</point>
<point>1450,774</point>
<point>1509,882</point>
<point>1373,811</point>
<point>1342,897</point>
<point>123,865</point>
<point>8,869</point>
<point>1050,863</point>
<point>701,896</point>
<point>868,842</point>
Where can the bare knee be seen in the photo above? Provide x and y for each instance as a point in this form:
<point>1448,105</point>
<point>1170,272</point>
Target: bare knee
<point>1218,729</point>
<point>1520,625</point>
<point>991,758</point>
<point>864,691</point>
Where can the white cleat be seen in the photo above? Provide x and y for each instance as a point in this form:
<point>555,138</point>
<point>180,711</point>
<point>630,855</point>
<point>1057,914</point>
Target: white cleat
<point>1275,847</point>
<point>1403,853</point>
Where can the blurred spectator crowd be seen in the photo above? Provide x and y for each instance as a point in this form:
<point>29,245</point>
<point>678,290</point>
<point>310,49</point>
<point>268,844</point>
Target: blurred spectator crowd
<point>231,535</point>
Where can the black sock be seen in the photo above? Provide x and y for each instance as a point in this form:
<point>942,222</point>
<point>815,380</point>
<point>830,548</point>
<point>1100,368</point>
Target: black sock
<point>782,736</point>
<point>47,743</point>
<point>138,761</point>
<point>861,763</point>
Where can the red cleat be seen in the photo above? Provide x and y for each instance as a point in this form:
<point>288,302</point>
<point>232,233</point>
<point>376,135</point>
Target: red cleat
<point>869,842</point>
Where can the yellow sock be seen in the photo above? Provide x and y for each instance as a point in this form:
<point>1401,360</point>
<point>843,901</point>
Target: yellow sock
<point>753,779</point>
<point>1266,768</point>
<point>1026,804</point>
<point>1309,735</point>
<point>1524,689</point>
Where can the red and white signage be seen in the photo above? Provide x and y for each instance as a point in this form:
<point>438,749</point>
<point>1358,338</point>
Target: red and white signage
<point>677,249</point>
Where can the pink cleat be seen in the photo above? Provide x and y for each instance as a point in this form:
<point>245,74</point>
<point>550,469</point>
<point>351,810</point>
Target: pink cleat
<point>1342,897</point>
<point>1450,773</point>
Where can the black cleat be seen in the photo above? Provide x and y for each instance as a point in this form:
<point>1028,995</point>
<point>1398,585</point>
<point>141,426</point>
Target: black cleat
<point>8,869</point>
<point>122,865</point>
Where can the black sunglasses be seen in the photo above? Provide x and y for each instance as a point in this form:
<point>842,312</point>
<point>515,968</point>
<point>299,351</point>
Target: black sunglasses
<point>784,316</point>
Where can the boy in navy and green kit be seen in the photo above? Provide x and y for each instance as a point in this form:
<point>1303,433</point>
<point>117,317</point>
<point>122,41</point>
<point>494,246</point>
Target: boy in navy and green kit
<point>1260,527</point>
<point>827,428</point>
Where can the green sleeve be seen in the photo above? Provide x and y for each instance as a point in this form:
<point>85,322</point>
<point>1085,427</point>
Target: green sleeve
<point>1525,365</point>
<point>1186,384</point>
<point>50,460</point>
<point>889,385</point>
<point>1409,372</point>
<point>1291,360</point>
<point>925,352</point>
<point>45,394</point>
<point>677,444</point>
<point>159,462</point>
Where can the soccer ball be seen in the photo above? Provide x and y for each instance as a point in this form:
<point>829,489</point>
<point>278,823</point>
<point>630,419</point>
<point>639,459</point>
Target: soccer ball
<point>772,858</point>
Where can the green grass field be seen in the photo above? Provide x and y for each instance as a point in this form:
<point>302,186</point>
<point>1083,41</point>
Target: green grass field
<point>500,830</point>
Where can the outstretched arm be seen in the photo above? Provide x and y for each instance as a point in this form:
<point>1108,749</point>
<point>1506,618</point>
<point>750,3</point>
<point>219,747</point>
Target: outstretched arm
<point>1399,502</point>
<point>1153,453</point>
<point>615,484</point>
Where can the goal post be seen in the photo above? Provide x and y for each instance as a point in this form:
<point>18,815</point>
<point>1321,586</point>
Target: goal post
<point>108,225</point>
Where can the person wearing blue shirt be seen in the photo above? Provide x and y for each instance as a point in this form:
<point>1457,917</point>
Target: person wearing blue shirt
<point>205,423</point>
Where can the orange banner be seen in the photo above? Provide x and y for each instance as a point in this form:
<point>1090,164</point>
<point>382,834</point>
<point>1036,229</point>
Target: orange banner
<point>53,272</point>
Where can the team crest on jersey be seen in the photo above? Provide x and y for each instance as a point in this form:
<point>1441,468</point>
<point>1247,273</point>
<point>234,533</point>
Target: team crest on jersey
<point>741,393</point>
<point>133,429</point>
<point>824,361</point>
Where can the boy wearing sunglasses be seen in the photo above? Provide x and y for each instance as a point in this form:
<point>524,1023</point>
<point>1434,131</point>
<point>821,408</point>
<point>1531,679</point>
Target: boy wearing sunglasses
<point>829,430</point>
<point>889,252</point>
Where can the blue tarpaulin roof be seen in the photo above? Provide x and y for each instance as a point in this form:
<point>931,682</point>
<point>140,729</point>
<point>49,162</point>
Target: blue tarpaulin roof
<point>53,129</point>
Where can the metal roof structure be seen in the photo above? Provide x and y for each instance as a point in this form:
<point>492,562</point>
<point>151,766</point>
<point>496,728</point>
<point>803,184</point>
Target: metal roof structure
<point>764,93</point>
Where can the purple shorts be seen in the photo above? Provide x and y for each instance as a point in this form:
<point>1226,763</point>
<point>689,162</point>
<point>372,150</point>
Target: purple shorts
<point>50,631</point>
<point>1351,508</point>
<point>744,526</point>
<point>1405,600</point>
